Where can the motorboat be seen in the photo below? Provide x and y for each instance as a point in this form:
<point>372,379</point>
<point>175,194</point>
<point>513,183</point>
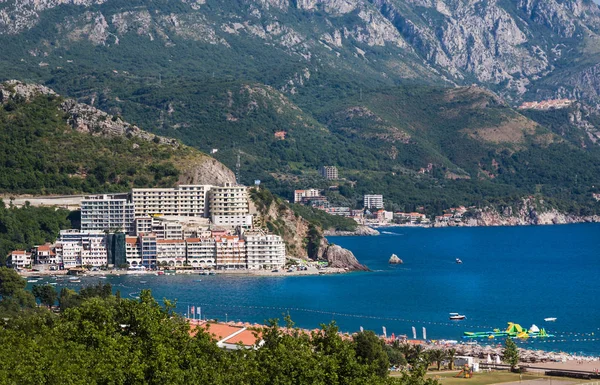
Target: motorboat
<point>32,280</point>
<point>458,261</point>
<point>550,319</point>
<point>457,317</point>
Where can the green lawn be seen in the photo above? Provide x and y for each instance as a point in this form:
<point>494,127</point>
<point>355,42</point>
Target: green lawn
<point>447,378</point>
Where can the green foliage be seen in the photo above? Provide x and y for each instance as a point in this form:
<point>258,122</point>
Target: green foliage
<point>15,299</point>
<point>45,293</point>
<point>21,228</point>
<point>41,154</point>
<point>107,340</point>
<point>323,219</point>
<point>510,353</point>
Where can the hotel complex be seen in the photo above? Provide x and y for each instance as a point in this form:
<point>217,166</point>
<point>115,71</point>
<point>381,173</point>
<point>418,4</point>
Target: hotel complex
<point>194,226</point>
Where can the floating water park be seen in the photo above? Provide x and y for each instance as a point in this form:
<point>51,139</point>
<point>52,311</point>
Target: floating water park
<point>513,331</point>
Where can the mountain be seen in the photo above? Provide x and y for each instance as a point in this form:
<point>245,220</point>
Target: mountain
<point>413,98</point>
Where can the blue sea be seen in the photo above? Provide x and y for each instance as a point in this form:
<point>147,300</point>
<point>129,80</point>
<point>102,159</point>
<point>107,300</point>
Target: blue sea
<point>516,274</point>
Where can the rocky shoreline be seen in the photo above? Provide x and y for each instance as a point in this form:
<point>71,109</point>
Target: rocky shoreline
<point>361,230</point>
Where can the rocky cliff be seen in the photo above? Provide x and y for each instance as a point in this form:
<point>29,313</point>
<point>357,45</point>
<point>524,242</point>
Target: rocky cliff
<point>528,211</point>
<point>302,239</point>
<point>361,230</point>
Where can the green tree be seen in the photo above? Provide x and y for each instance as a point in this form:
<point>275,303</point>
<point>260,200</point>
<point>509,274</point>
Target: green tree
<point>437,356</point>
<point>510,353</point>
<point>10,281</point>
<point>451,356</point>
<point>369,349</point>
<point>46,294</point>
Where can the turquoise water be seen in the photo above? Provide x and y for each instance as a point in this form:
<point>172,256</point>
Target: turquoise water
<point>518,274</point>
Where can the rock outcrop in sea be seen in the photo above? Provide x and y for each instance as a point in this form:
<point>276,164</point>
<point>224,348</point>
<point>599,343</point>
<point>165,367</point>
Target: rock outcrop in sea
<point>394,260</point>
<point>338,257</point>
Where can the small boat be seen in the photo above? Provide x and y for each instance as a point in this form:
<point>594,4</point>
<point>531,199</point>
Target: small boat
<point>212,273</point>
<point>143,281</point>
<point>160,273</point>
<point>458,261</point>
<point>456,316</point>
<point>53,283</point>
<point>32,280</point>
<point>74,280</point>
<point>550,319</point>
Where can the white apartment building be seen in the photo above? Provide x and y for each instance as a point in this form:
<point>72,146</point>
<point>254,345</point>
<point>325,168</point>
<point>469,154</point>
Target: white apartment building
<point>19,259</point>
<point>201,252</point>
<point>229,206</point>
<point>43,254</point>
<point>310,193</point>
<point>183,200</point>
<point>170,252</point>
<point>373,201</point>
<point>133,251</point>
<point>107,212</point>
<point>231,252</point>
<point>82,248</point>
<point>264,251</point>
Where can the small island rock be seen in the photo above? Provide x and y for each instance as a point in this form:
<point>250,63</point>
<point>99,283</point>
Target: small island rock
<point>394,260</point>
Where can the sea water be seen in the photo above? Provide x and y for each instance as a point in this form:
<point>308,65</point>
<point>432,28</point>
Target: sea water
<point>516,274</point>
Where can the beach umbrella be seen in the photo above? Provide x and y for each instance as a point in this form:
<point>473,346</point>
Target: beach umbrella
<point>489,359</point>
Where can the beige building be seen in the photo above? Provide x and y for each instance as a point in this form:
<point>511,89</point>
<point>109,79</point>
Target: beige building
<point>310,193</point>
<point>183,200</point>
<point>82,248</point>
<point>264,251</point>
<point>229,206</point>
<point>329,172</point>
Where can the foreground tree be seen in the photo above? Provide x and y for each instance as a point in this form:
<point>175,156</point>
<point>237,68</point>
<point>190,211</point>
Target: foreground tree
<point>437,356</point>
<point>46,294</point>
<point>510,353</point>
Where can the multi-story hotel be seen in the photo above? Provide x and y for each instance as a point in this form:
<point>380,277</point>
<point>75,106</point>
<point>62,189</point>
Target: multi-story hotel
<point>107,212</point>
<point>373,201</point>
<point>170,252</point>
<point>82,248</point>
<point>201,252</point>
<point>264,251</point>
<point>183,200</point>
<point>231,252</point>
<point>229,206</point>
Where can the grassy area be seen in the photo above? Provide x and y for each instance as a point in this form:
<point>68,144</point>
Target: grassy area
<point>447,378</point>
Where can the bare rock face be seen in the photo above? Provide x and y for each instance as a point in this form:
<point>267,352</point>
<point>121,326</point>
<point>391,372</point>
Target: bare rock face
<point>339,257</point>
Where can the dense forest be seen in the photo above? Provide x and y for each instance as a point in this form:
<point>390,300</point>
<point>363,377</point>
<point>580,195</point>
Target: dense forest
<point>24,227</point>
<point>97,337</point>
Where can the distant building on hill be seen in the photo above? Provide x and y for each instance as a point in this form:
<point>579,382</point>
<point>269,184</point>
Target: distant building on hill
<point>373,201</point>
<point>301,195</point>
<point>329,172</point>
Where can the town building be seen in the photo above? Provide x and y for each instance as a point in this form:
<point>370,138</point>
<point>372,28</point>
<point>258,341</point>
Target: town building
<point>148,250</point>
<point>170,252</point>
<point>231,252</point>
<point>82,248</point>
<point>44,255</point>
<point>133,251</point>
<point>329,172</point>
<point>107,212</point>
<point>229,206</point>
<point>264,251</point>
<point>201,252</point>
<point>302,195</point>
<point>183,200</point>
<point>19,259</point>
<point>373,201</point>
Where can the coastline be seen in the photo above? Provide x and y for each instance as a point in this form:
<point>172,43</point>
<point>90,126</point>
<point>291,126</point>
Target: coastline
<point>311,271</point>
